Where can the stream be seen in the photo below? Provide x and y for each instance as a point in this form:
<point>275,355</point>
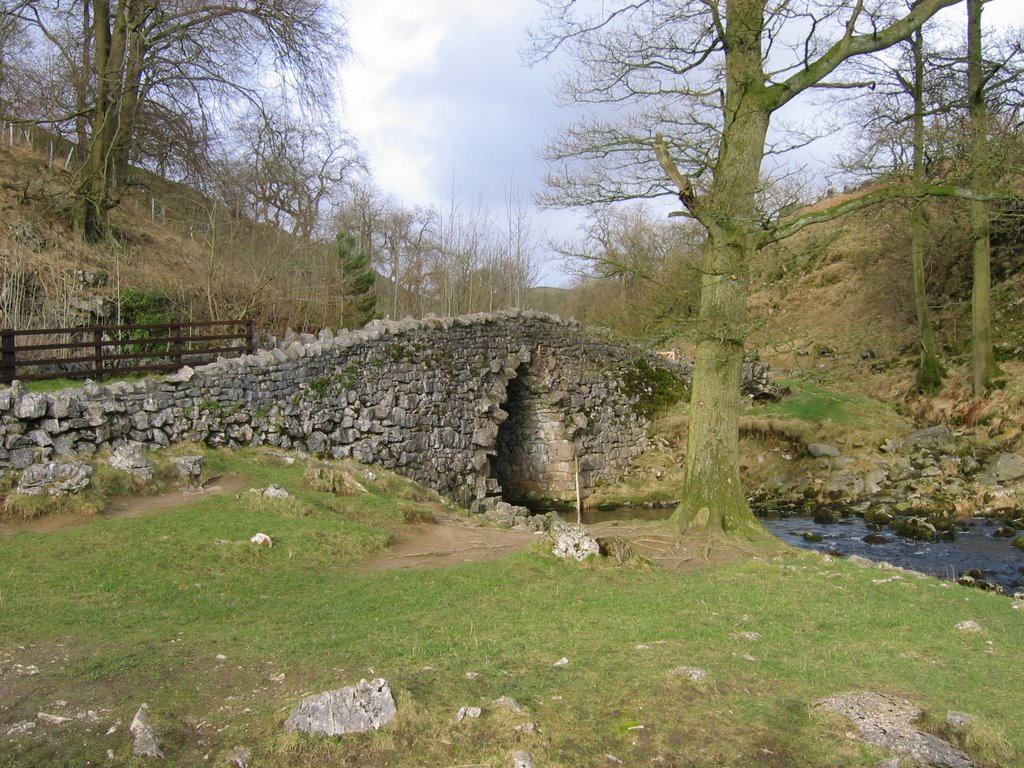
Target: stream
<point>974,547</point>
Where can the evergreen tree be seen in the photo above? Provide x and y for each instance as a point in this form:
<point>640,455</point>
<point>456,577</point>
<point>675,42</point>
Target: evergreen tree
<point>358,302</point>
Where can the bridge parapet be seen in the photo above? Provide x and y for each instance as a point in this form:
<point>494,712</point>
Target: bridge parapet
<point>514,403</point>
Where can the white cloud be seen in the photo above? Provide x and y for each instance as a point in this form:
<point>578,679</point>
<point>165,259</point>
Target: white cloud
<point>415,95</point>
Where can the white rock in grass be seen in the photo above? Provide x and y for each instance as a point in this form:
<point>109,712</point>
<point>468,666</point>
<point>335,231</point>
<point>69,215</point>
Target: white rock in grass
<point>471,712</point>
<point>573,541</point>
<point>238,757</point>
<point>276,492</point>
<point>562,662</point>
<point>507,702</point>
<point>888,721</point>
<point>145,744</point>
<point>44,717</point>
<point>357,709</point>
<point>691,673</point>
<point>23,727</point>
<point>522,759</point>
<point>749,636</point>
<point>969,626</point>
<point>262,539</point>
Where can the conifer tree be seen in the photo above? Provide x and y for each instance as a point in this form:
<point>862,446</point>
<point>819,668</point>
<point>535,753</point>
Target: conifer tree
<point>358,302</point>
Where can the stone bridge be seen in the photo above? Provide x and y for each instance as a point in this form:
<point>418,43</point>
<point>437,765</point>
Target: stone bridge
<point>513,404</point>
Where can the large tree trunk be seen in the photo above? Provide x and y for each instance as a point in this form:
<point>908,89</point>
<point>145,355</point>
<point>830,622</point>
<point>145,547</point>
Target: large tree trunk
<point>984,368</point>
<point>118,60</point>
<point>929,371</point>
<point>713,497</point>
<point>89,215</point>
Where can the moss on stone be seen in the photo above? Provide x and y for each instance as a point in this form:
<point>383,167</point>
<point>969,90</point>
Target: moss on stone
<point>654,388</point>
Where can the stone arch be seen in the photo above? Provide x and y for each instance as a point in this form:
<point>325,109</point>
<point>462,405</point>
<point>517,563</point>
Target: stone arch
<point>534,451</point>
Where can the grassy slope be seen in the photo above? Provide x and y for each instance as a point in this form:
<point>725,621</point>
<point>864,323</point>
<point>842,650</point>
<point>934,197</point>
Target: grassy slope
<point>124,611</point>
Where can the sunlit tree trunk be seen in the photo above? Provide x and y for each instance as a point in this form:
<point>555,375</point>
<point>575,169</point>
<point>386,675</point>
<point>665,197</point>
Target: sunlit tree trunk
<point>984,368</point>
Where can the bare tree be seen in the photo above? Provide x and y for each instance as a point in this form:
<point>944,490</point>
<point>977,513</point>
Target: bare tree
<point>637,273</point>
<point>909,85</point>
<point>183,62</point>
<point>710,74</point>
<point>297,169</point>
<point>521,266</point>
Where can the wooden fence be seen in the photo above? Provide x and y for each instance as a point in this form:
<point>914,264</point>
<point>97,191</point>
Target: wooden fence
<point>116,350</point>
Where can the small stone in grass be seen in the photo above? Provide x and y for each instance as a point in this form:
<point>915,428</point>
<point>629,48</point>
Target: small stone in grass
<point>692,673</point>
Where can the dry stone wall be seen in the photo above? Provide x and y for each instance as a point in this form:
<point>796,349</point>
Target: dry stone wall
<point>463,405</point>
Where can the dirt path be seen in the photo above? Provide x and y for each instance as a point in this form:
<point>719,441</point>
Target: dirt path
<point>453,540</point>
<point>449,541</point>
<point>125,506</point>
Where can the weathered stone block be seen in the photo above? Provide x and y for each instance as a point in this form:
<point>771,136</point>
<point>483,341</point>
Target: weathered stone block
<point>32,405</point>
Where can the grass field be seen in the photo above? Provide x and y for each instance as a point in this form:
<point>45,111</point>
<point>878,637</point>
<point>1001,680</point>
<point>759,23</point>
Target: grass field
<point>221,640</point>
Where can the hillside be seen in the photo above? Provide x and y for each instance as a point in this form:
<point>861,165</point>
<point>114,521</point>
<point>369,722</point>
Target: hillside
<point>191,256</point>
<point>835,303</point>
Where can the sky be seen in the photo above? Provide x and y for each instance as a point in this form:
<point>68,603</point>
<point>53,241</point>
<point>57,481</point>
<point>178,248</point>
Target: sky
<point>438,97</point>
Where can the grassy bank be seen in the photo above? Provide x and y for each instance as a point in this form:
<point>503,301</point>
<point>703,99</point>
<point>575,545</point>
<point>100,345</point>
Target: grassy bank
<point>222,639</point>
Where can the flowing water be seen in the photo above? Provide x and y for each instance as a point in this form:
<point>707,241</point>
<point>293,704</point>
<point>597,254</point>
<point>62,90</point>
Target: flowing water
<point>974,547</point>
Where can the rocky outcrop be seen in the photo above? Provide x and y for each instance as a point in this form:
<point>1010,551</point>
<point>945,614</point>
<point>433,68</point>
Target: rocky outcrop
<point>144,742</point>
<point>887,721</point>
<point>919,486</point>
<point>130,459</point>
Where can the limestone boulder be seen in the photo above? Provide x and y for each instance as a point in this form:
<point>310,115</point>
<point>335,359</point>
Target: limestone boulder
<point>887,721</point>
<point>818,450</point>
<point>573,541</point>
<point>144,742</point>
<point>189,467</point>
<point>1005,468</point>
<point>364,707</point>
<point>928,438</point>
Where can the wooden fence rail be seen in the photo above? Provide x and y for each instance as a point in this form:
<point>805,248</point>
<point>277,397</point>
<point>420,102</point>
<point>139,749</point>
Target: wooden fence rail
<point>104,350</point>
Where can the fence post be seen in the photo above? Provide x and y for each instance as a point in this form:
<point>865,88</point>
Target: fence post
<point>250,342</point>
<point>8,356</point>
<point>97,341</point>
<point>178,345</point>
